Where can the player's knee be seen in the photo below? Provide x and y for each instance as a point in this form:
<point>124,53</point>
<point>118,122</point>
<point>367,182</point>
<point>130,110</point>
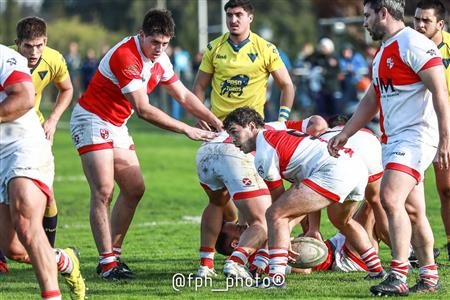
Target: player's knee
<point>272,215</point>
<point>104,194</point>
<point>444,192</point>
<point>136,192</point>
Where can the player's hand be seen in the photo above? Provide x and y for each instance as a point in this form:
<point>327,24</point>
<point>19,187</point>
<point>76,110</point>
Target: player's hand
<point>336,143</point>
<point>49,129</point>
<point>203,125</point>
<point>198,134</point>
<point>443,154</point>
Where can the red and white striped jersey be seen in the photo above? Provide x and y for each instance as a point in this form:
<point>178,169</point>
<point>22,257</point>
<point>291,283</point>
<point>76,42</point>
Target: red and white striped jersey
<point>122,70</point>
<point>406,108</point>
<point>291,155</point>
<point>14,69</point>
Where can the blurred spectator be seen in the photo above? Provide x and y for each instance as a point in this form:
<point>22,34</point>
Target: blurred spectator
<point>301,76</point>
<point>324,82</point>
<point>73,60</point>
<point>88,67</point>
<point>353,67</point>
<point>183,68</point>
<point>272,105</point>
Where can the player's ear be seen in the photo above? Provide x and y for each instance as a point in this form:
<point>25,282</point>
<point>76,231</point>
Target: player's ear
<point>383,12</point>
<point>441,24</point>
<point>17,42</point>
<point>234,243</point>
<point>250,16</point>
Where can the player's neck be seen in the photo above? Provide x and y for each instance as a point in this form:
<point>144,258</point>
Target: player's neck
<point>237,39</point>
<point>393,30</point>
<point>438,38</point>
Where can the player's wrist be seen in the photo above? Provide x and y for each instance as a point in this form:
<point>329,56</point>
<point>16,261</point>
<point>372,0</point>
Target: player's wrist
<point>284,113</point>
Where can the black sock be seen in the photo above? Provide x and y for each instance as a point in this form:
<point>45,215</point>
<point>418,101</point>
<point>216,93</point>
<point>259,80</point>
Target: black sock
<point>49,224</point>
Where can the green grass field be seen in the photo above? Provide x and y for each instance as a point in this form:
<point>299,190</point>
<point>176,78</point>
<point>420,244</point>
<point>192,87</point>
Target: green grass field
<point>164,236</point>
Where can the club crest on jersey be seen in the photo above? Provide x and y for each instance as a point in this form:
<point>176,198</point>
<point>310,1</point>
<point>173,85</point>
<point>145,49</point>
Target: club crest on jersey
<point>42,74</point>
<point>104,133</point>
<point>252,56</point>
<point>431,52</point>
<point>390,62</point>
<point>261,171</point>
<point>246,181</point>
<point>11,61</point>
<point>446,62</point>
<point>235,84</point>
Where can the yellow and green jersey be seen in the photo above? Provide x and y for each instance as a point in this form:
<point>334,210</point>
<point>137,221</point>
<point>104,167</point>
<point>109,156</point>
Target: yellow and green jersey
<point>444,48</point>
<point>51,67</point>
<point>240,72</point>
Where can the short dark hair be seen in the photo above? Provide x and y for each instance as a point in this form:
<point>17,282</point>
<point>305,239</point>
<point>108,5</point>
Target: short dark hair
<point>243,116</point>
<point>438,6</point>
<point>245,4</point>
<point>223,244</point>
<point>158,21</point>
<point>396,8</point>
<point>30,28</point>
<point>337,120</point>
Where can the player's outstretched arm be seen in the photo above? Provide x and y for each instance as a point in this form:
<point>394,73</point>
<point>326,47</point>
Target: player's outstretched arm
<point>146,111</point>
<point>201,83</point>
<point>366,110</point>
<point>284,83</point>
<point>192,104</point>
<point>434,79</point>
<point>20,99</point>
<point>63,100</point>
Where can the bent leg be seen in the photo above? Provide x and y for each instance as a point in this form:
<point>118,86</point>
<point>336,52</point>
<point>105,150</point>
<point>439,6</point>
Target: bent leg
<point>422,235</point>
<point>99,171</point>
<point>395,188</point>
<point>27,209</point>
<point>372,195</point>
<point>128,175</point>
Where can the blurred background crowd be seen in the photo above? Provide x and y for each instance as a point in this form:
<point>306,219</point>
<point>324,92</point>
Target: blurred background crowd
<point>321,42</point>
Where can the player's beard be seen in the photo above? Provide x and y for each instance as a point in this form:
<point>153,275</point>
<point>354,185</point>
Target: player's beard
<point>376,33</point>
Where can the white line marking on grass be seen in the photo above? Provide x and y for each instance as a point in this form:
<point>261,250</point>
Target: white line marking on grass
<point>70,178</point>
<point>184,220</point>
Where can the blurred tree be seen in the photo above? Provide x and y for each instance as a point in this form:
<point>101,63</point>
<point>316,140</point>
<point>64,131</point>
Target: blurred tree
<point>10,14</point>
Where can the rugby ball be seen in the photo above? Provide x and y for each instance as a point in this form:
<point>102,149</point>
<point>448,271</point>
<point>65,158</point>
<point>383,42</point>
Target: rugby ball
<point>309,252</point>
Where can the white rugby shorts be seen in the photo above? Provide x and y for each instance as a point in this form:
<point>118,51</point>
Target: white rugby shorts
<point>91,133</point>
<point>410,157</point>
<point>29,157</point>
<point>222,165</point>
<point>341,179</point>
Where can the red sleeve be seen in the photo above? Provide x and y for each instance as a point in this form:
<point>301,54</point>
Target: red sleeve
<point>17,77</point>
<point>297,125</point>
<point>125,66</point>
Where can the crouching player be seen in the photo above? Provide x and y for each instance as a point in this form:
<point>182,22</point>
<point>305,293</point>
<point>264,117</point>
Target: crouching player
<point>319,181</point>
<point>26,177</point>
<point>224,170</point>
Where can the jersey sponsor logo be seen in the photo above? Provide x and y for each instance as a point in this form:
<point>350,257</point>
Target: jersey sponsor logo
<point>446,62</point>
<point>221,56</point>
<point>42,74</point>
<point>252,56</point>
<point>386,87</point>
<point>398,153</point>
<point>235,84</point>
<point>390,62</point>
<point>104,133</point>
<point>246,181</point>
<point>11,61</point>
<point>76,139</point>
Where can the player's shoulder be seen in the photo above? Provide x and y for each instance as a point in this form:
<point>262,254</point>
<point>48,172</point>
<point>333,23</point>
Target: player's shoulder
<point>446,38</point>
<point>52,56</point>
<point>410,37</point>
<point>261,43</point>
<point>217,42</point>
<point>11,57</point>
